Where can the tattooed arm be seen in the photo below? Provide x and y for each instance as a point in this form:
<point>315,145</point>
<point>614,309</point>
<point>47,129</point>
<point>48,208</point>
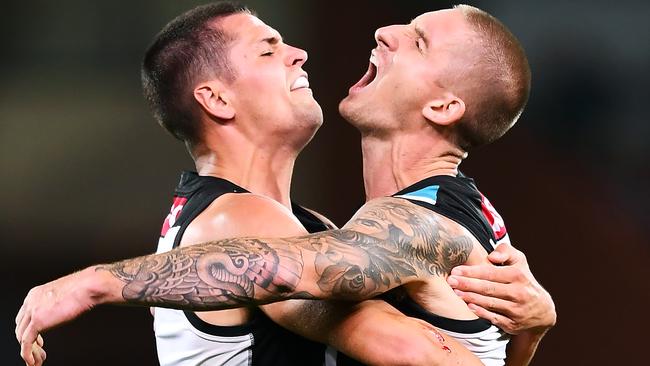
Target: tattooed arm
<point>389,242</point>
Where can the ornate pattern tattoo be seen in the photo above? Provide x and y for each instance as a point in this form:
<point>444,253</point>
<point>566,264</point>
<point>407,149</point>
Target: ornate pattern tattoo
<point>389,241</point>
<point>209,276</point>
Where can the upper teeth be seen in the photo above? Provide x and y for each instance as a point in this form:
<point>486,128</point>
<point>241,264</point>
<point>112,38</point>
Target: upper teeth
<point>373,58</point>
<point>301,82</point>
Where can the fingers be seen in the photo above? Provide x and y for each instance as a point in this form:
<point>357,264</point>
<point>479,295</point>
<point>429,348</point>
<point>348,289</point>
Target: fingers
<point>494,304</point>
<point>506,254</point>
<point>39,355</point>
<point>488,288</point>
<point>28,337</point>
<point>19,322</point>
<point>500,254</point>
<point>484,272</point>
<point>26,353</point>
<point>26,342</point>
<point>497,319</point>
<point>20,328</point>
<point>20,314</point>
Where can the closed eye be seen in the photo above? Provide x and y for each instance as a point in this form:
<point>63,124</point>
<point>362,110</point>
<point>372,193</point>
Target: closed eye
<point>419,44</point>
<point>421,38</point>
<point>267,53</point>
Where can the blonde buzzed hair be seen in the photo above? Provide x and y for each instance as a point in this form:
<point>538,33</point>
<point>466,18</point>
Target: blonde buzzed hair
<point>496,86</point>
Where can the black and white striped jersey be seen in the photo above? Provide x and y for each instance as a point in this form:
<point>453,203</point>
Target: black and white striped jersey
<point>183,339</point>
<point>458,199</point>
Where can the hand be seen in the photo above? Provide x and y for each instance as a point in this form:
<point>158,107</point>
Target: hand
<point>47,306</point>
<point>38,352</point>
<point>505,292</point>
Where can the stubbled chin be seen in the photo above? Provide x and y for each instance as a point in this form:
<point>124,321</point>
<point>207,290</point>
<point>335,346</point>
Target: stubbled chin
<point>313,115</point>
<point>348,111</point>
<point>344,106</point>
<point>349,100</point>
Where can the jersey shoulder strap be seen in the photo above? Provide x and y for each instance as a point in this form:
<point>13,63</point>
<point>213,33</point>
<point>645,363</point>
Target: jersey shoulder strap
<point>192,196</point>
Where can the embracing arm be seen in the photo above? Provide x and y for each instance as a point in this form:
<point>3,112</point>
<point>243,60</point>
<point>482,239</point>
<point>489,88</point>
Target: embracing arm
<point>389,242</point>
<point>372,332</point>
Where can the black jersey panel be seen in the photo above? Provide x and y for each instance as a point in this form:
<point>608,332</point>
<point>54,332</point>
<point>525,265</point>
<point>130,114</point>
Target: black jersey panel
<point>456,198</point>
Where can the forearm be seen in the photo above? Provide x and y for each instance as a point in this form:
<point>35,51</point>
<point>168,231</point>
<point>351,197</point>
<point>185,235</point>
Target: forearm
<point>339,264</point>
<point>348,327</point>
<point>211,276</point>
<point>396,340</point>
<point>522,347</point>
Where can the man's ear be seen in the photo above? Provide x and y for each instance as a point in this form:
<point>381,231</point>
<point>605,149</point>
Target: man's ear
<point>444,111</point>
<point>214,100</point>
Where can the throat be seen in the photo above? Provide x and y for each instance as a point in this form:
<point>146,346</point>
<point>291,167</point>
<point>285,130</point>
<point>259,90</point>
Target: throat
<point>392,165</point>
<point>382,170</point>
<point>253,170</point>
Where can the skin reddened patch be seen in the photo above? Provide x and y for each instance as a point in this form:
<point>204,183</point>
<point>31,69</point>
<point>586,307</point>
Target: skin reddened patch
<point>441,339</point>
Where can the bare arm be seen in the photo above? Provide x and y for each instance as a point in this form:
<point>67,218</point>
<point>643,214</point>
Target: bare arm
<point>372,332</point>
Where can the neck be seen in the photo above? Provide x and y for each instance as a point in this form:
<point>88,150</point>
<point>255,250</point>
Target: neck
<point>262,171</point>
<point>394,163</point>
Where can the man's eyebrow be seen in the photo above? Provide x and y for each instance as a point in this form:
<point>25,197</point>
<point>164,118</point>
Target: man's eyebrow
<point>420,33</point>
<point>273,40</point>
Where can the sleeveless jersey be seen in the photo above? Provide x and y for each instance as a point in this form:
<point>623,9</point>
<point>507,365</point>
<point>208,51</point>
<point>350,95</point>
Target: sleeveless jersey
<point>183,339</point>
<point>458,199</point>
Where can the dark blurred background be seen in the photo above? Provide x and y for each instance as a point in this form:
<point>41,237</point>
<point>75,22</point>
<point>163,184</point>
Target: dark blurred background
<point>87,175</point>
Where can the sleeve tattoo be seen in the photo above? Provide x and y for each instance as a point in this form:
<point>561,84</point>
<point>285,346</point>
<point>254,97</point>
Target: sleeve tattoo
<point>388,242</point>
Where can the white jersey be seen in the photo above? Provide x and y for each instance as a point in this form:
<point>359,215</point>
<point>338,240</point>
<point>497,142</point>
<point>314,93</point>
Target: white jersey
<point>488,345</point>
<point>183,339</point>
<point>179,343</point>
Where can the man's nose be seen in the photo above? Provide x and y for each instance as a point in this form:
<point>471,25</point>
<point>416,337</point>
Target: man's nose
<point>296,56</point>
<point>386,37</point>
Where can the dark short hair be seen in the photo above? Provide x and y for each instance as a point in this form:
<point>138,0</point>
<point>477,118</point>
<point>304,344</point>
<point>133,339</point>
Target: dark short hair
<point>496,87</point>
<point>187,50</point>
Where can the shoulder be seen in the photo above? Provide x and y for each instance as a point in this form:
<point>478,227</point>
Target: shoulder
<point>242,214</point>
<point>414,228</point>
<point>404,214</point>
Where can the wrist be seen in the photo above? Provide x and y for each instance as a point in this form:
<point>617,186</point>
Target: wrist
<point>534,335</point>
<point>100,286</point>
<point>546,316</point>
<point>522,348</point>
